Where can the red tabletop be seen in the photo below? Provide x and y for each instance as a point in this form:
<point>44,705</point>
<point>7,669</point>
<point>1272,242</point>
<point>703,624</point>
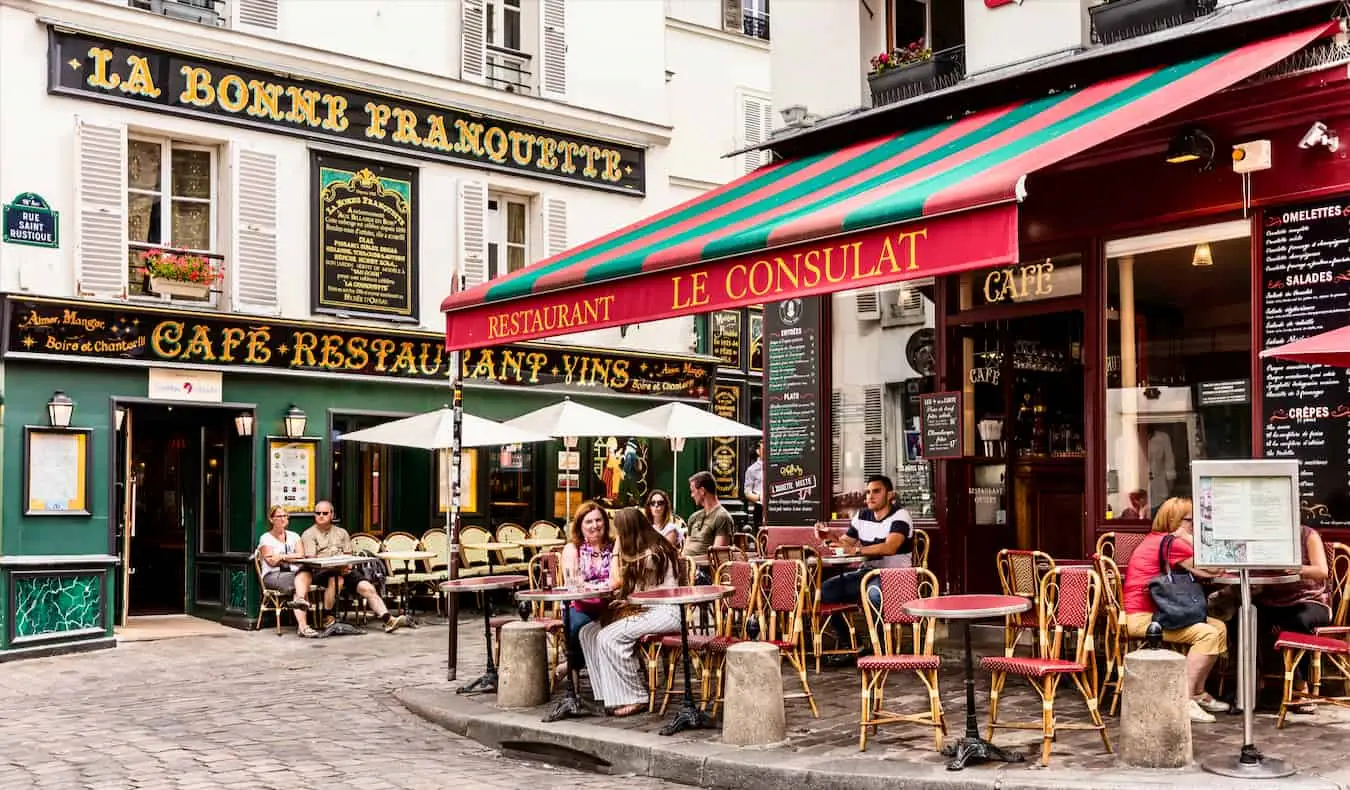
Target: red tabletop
<point>563,594</point>
<point>966,607</point>
<point>478,583</point>
<point>681,595</point>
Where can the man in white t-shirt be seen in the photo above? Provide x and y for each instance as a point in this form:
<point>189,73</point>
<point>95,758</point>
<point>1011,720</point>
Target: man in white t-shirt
<point>277,547</point>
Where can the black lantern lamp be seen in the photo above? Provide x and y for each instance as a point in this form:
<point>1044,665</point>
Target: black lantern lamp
<point>60,409</point>
<point>295,422</point>
<point>1191,145</point>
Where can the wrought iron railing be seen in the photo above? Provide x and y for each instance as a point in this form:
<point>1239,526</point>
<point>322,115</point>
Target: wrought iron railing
<point>755,24</point>
<point>508,70</point>
<point>947,68</point>
<point>138,283</point>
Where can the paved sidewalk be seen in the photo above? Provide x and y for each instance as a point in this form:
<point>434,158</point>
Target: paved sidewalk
<point>823,753</point>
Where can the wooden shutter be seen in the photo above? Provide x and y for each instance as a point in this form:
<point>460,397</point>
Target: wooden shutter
<point>553,49</point>
<point>472,232</point>
<point>254,279</point>
<point>555,226</point>
<point>874,432</point>
<point>731,15</point>
<point>755,124</point>
<point>472,40</point>
<point>836,440</point>
<point>259,13</point>
<point>100,210</point>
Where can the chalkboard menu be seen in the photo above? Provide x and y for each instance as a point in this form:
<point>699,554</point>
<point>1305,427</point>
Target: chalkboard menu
<point>1305,267</point>
<point>365,245</point>
<point>940,425</point>
<point>794,474</point>
<point>726,337</point>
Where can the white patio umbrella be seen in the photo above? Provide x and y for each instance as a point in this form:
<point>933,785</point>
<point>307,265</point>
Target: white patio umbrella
<point>433,431</point>
<point>680,421</point>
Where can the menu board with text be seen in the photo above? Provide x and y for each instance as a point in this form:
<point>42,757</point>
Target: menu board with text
<point>1246,514</point>
<point>940,418</point>
<point>794,475</point>
<point>1305,279</point>
<point>723,455</point>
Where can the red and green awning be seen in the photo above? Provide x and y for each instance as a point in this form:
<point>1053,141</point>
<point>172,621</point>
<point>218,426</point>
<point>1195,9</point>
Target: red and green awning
<point>929,201</point>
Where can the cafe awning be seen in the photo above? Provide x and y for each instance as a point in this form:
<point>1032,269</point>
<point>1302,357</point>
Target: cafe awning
<point>929,201</point>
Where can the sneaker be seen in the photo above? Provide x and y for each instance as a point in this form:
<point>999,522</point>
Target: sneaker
<point>394,623</point>
<point>1212,705</point>
<point>1199,714</point>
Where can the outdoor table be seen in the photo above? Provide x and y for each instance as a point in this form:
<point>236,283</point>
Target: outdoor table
<point>490,547</point>
<point>571,703</point>
<point>483,584</point>
<point>688,715</point>
<point>407,558</point>
<point>1249,762</point>
<point>970,747</point>
<point>539,543</point>
<point>332,561</point>
<point>838,560</point>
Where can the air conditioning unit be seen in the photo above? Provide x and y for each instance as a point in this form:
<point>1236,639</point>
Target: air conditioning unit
<point>903,307</point>
<point>868,303</point>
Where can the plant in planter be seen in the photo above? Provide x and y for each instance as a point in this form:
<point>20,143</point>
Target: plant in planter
<point>902,66</point>
<point>186,275</point>
<point>1116,20</point>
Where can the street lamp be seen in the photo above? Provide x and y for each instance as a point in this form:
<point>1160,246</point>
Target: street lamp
<point>295,422</point>
<point>243,423</point>
<point>59,410</point>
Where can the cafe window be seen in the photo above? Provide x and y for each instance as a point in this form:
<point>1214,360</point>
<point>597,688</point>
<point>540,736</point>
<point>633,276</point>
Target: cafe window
<point>508,234</point>
<point>1178,361</point>
<point>379,488</point>
<point>511,482</point>
<point>883,359</point>
<point>171,205</point>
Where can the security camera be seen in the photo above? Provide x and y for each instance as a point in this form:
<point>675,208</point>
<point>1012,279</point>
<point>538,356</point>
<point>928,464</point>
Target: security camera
<point>1318,134</point>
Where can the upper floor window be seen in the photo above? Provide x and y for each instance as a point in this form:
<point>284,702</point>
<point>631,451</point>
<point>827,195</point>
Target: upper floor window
<point>172,205</point>
<point>747,17</point>
<point>939,26</point>
<point>205,12</point>
<point>518,46</point>
<point>508,234</point>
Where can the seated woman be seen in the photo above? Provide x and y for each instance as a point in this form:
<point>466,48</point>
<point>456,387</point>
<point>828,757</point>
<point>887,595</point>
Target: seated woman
<point>1302,606</point>
<point>1207,640</point>
<point>588,556</point>
<point>661,512</point>
<point>644,561</point>
<point>277,547</point>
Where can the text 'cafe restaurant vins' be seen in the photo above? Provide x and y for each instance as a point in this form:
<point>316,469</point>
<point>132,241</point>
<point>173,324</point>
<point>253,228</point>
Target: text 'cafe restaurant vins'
<point>1090,282</point>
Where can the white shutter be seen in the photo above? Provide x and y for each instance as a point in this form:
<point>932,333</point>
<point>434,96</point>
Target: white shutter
<point>555,226</point>
<point>868,304</point>
<point>100,210</point>
<point>259,13</point>
<point>472,40</point>
<point>472,232</point>
<point>874,432</point>
<point>755,121</point>
<point>836,440</point>
<point>254,279</point>
<point>553,49</point>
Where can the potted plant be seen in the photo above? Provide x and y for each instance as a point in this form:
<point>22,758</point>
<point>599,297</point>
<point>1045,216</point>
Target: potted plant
<point>907,65</point>
<point>187,275</point>
<point>1116,20</point>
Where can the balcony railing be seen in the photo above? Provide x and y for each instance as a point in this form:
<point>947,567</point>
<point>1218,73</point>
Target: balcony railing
<point>946,68</point>
<point>508,70</point>
<point>755,24</point>
<point>203,12</point>
<point>1118,20</point>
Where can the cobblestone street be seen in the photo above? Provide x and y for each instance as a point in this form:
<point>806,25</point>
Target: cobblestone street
<point>250,710</point>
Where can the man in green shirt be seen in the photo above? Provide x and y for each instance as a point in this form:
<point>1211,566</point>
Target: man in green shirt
<point>710,526</point>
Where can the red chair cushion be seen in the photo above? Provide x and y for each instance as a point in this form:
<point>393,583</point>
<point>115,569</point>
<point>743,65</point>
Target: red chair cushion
<point>1289,640</point>
<point>898,663</point>
<point>836,608</point>
<point>696,641</point>
<point>1029,667</point>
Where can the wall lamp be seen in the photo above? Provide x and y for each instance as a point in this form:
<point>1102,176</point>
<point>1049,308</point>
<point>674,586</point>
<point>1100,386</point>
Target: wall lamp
<point>243,423</point>
<point>120,415</point>
<point>1319,134</point>
<point>60,409</point>
<point>1191,145</point>
<point>295,422</point>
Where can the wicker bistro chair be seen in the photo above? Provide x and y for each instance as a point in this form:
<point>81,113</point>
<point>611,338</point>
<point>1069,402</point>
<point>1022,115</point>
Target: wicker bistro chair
<point>650,646</point>
<point>1021,573</point>
<point>1068,601</point>
<point>733,615</point>
<point>1330,642</point>
<point>898,587</point>
<point>511,560</point>
<point>1120,545</point>
<point>818,614</point>
<point>434,570</point>
<point>473,562</point>
<point>273,601</point>
<point>402,541</point>
<point>1115,641</point>
<point>919,543</point>
<point>546,529</point>
<point>367,542</point>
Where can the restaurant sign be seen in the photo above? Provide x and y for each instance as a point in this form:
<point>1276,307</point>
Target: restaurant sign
<point>67,331</point>
<point>143,76</point>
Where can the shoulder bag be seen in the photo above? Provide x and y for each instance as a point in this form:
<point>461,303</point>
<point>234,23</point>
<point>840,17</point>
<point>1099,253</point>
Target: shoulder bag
<point>1178,599</point>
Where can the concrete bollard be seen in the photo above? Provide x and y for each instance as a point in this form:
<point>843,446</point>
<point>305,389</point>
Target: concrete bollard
<point>1155,721</point>
<point>754,687</point>
<point>522,672</point>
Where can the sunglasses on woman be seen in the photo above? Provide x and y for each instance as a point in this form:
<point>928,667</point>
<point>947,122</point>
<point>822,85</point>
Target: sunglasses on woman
<point>658,503</point>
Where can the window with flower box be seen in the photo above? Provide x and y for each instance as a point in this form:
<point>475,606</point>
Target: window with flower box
<point>172,206</point>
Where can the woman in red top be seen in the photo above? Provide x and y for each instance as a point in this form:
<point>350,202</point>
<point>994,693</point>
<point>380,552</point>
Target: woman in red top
<point>1207,640</point>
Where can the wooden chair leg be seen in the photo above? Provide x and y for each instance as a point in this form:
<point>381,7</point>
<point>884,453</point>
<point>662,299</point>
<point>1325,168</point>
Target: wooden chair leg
<point>1291,662</point>
<point>996,682</point>
<point>865,719</point>
<point>1047,693</point>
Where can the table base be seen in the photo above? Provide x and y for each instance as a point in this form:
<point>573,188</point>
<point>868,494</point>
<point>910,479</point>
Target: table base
<point>688,717</point>
<point>968,751</point>
<point>487,684</point>
<point>1250,764</point>
<point>570,706</point>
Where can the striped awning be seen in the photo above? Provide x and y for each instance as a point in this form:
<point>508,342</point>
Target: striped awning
<point>930,201</point>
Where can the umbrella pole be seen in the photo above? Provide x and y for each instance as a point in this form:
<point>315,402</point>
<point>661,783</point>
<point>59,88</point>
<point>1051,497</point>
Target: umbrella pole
<point>452,515</point>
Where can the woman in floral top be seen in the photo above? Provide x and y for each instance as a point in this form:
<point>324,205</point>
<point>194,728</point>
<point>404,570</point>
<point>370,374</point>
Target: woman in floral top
<point>587,556</point>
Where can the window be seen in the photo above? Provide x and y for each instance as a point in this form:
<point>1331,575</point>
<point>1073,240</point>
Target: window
<point>508,65</point>
<point>171,204</point>
<point>1178,331</point>
<point>755,19</point>
<point>939,25</point>
<point>508,234</point>
<point>205,12</point>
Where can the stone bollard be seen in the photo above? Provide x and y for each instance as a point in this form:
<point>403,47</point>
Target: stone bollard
<point>522,672</point>
<point>754,687</point>
<point>1155,720</point>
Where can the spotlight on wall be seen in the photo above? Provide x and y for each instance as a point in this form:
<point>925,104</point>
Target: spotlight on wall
<point>60,409</point>
<point>295,422</point>
<point>1191,145</point>
<point>1202,256</point>
<point>1319,134</point>
<point>243,423</point>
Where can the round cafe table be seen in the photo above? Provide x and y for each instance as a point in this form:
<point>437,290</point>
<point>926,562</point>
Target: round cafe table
<point>490,547</point>
<point>970,748</point>
<point>540,543</point>
<point>407,558</point>
<point>1249,761</point>
<point>571,703</point>
<point>484,584</point>
<point>840,560</point>
<point>688,716</point>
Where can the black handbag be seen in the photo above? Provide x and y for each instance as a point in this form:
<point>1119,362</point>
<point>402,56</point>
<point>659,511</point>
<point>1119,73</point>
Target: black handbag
<point>1178,599</point>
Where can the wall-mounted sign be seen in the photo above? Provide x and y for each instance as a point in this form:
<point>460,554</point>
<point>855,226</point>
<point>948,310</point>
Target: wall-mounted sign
<point>756,341</point>
<point>726,337</point>
<point>723,453</point>
<point>64,330</point>
<point>794,465</point>
<point>143,76</point>
<point>365,238</point>
<point>1232,392</point>
<point>940,419</point>
<point>198,386</point>
<point>1031,282</point>
<point>30,220</point>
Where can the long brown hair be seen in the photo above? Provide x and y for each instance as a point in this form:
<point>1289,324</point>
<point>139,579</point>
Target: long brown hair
<point>644,554</point>
<point>583,510</point>
<point>670,507</point>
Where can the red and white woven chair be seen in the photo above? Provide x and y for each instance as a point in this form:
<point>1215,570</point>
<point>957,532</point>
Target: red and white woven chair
<point>898,587</point>
<point>1020,573</point>
<point>733,614</point>
<point>1330,642</point>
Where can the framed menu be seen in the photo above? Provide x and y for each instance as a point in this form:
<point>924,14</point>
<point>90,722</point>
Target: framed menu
<point>940,418</point>
<point>1247,514</point>
<point>291,464</point>
<point>468,476</point>
<point>726,337</point>
<point>56,463</point>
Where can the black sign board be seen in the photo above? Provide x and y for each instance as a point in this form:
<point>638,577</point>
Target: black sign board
<point>68,330</point>
<point>794,475</point>
<point>723,454</point>
<point>940,421</point>
<point>1233,392</point>
<point>365,238</point>
<point>1305,271</point>
<point>155,79</point>
<point>726,337</point>
<point>756,333</point>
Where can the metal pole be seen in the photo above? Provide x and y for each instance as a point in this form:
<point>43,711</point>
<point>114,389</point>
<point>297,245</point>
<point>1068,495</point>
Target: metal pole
<point>452,517</point>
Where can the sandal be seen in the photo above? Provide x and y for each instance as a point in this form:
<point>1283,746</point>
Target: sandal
<point>626,710</point>
<point>309,633</point>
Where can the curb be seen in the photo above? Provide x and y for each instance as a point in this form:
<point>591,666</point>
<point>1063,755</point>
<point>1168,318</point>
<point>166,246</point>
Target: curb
<point>714,765</point>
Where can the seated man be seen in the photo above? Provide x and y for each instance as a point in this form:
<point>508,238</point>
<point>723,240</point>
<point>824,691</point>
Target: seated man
<point>277,547</point>
<point>710,526</point>
<point>880,535</point>
<point>326,540</point>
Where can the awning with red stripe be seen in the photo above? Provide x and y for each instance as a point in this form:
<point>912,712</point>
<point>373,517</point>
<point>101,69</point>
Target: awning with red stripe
<point>930,201</point>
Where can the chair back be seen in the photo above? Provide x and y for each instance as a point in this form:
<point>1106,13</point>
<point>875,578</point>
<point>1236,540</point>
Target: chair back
<point>1113,583</point>
<point>1020,572</point>
<point>810,557</point>
<point>1069,602</point>
<point>720,555</point>
<point>400,541</point>
<point>258,568</point>
<point>468,537</point>
<point>434,540</point>
<point>1120,545</point>
<point>899,586</point>
<point>545,565</point>
<point>782,599</point>
<point>919,551</point>
<point>735,610</point>
<point>510,533</point>
<point>687,571</point>
<point>366,542</point>
<point>761,543</point>
<point>745,542</point>
<point>545,530</point>
<point>1338,563</point>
